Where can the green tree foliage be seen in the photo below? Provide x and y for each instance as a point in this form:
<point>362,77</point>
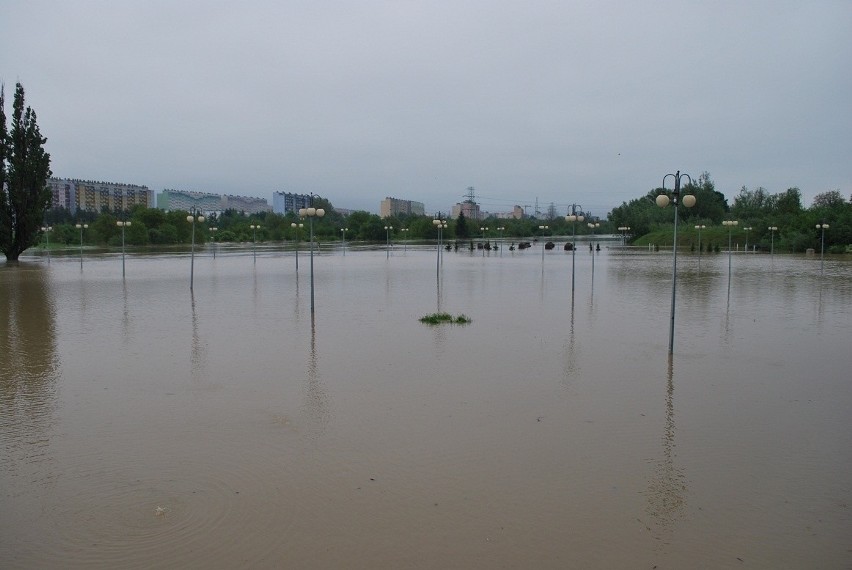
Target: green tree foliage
<point>24,170</point>
<point>462,231</point>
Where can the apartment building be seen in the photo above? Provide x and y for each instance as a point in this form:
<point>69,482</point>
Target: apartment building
<point>394,206</point>
<point>283,202</point>
<point>95,196</point>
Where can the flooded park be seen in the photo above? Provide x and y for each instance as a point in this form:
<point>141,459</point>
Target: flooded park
<point>144,424</point>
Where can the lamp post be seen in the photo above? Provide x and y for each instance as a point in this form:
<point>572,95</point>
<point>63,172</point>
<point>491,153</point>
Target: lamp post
<point>298,229</point>
<point>483,229</point>
<point>404,241</point>
<point>387,241</point>
<point>254,228</point>
<point>501,229</point>
<point>81,227</point>
<point>312,213</point>
<point>343,230</point>
<point>623,229</point>
<point>543,229</point>
<point>662,201</point>
<point>47,230</point>
<point>123,225</point>
<point>192,218</point>
<point>746,230</point>
<point>592,227</point>
<point>772,230</point>
<point>823,226</point>
<point>730,224</point>
<point>699,228</point>
<point>213,231</point>
<point>574,217</point>
<point>440,225</point>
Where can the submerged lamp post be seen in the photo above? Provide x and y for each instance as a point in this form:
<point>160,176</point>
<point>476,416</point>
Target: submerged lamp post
<point>312,213</point>
<point>298,229</point>
<point>192,218</point>
<point>254,228</point>
<point>592,227</point>
<point>483,229</point>
<point>623,229</point>
<point>823,226</point>
<point>501,229</point>
<point>730,224</point>
<point>123,225</point>
<point>543,229</point>
<point>574,217</point>
<point>699,228</point>
<point>663,201</point>
<point>387,241</point>
<point>81,227</point>
<point>772,230</point>
<point>213,231</point>
<point>440,225</point>
<point>404,241</point>
<point>746,230</point>
<point>47,230</point>
<point>343,230</point>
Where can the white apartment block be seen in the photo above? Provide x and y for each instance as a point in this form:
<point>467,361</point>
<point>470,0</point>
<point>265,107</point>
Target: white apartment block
<point>94,196</point>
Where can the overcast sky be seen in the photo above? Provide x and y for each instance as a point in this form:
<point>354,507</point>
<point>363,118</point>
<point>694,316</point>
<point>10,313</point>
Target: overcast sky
<point>557,101</point>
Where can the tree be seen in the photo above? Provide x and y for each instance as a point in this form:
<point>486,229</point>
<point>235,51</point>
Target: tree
<point>461,227</point>
<point>830,199</point>
<point>24,170</point>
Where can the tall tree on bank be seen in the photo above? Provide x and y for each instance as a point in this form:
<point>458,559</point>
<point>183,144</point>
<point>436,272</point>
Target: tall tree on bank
<point>24,170</point>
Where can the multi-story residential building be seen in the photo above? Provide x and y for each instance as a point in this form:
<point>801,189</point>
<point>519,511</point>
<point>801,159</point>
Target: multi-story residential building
<point>469,209</point>
<point>394,206</point>
<point>92,196</point>
<point>208,202</point>
<point>283,202</point>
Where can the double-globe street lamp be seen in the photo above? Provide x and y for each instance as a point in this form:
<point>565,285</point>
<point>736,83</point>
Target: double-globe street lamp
<point>388,230</point>
<point>312,213</point>
<point>81,227</point>
<point>483,229</point>
<point>343,230</point>
<point>592,226</point>
<point>746,230</point>
<point>124,225</point>
<point>822,226</point>
<point>772,230</point>
<point>192,218</point>
<point>298,229</point>
<point>47,230</point>
<point>543,229</point>
<point>699,228</point>
<point>730,224</point>
<point>662,201</point>
<point>501,229</point>
<point>254,228</point>
<point>440,225</point>
<point>623,229</point>
<point>574,217</point>
<point>404,240</point>
<point>213,231</point>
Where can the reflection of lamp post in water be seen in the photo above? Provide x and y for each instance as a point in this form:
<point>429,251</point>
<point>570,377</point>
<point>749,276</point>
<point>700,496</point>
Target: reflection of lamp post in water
<point>662,201</point>
<point>47,230</point>
<point>312,213</point>
<point>81,227</point>
<point>298,229</point>
<point>823,226</point>
<point>123,225</point>
<point>192,218</point>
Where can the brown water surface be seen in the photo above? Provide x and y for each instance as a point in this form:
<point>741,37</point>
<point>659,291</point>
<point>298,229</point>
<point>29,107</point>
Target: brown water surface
<point>142,425</point>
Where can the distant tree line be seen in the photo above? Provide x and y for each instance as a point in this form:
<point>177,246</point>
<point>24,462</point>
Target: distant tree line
<point>756,209</point>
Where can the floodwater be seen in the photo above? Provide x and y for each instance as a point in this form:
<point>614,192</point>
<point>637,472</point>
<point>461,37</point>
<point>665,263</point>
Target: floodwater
<point>143,425</point>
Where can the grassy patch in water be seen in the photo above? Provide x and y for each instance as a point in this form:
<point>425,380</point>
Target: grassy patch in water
<point>438,318</point>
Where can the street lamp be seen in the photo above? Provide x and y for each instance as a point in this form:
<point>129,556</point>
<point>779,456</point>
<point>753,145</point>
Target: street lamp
<point>699,228</point>
<point>298,229</point>
<point>542,229</point>
<point>213,231</point>
<point>81,227</point>
<point>254,228</point>
<point>344,239</point>
<point>574,217</point>
<point>772,230</point>
<point>192,218</point>
<point>404,241</point>
<point>730,225</point>
<point>623,229</point>
<point>387,241</point>
<point>311,213</point>
<point>501,229</point>
<point>47,230</point>
<point>123,225</point>
<point>746,230</point>
<point>483,230</point>
<point>662,201</point>
<point>441,225</point>
<point>592,227</point>
<point>823,226</point>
